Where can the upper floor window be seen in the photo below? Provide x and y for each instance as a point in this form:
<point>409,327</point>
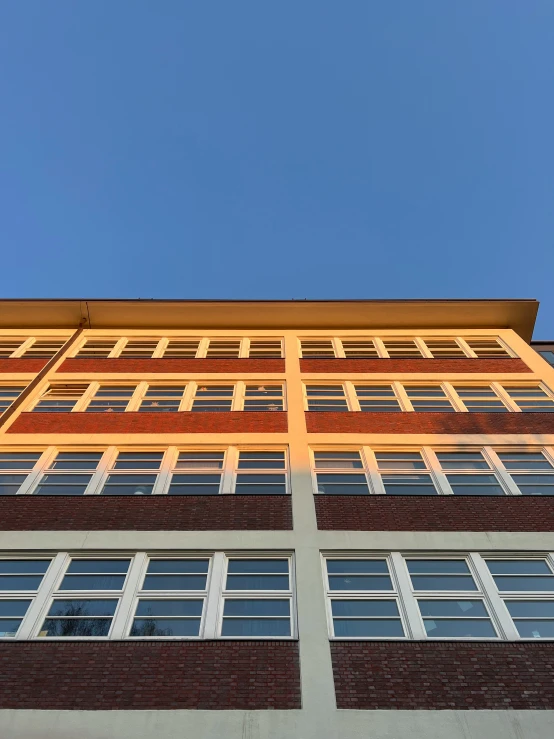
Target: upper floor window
<point>386,347</point>
<point>442,397</point>
<point>426,471</point>
<point>180,348</point>
<point>39,347</point>
<point>9,393</point>
<point>173,471</point>
<point>375,596</point>
<point>177,595</point>
<point>155,398</point>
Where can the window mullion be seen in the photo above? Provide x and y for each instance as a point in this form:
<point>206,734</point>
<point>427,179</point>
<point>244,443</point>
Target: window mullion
<point>137,396</point>
<point>238,396</point>
<point>371,469</point>
<point>244,348</point>
<point>407,601</point>
<point>453,397</point>
<point>437,473</point>
<point>169,461</point>
<point>160,349</point>
<point>402,395</point>
<point>499,611</point>
<point>118,348</point>
<point>230,465</point>
<point>351,397</point>
<point>127,599</point>
<point>42,464</point>
<point>23,347</point>
<point>202,348</point>
<point>505,478</point>
<point>106,463</point>
<point>466,347</point>
<point>505,397</point>
<point>422,346</point>
<point>380,346</point>
<point>188,396</point>
<point>30,621</point>
<point>213,601</point>
<point>85,398</point>
<point>337,346</point>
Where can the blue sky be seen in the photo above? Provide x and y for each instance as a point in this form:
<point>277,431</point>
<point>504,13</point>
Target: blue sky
<point>291,149</point>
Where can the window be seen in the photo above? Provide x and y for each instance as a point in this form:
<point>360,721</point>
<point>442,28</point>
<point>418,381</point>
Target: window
<point>60,398</point>
<point>166,596</point>
<point>181,349</point>
<point>14,470</point>
<point>326,398</point>
<point>69,473</point>
<point>548,355</point>
<point>401,476</point>
<point>487,348</point>
<point>445,348</point>
<point>530,398</point>
<point>359,349</point>
<point>8,395</point>
<point>8,347</point>
<point>219,349</point>
<point>197,473</point>
<point>139,348</point>
<point>402,348</point>
<point>377,398</point>
<point>532,472</point>
<point>160,399</point>
<point>467,477</point>
<point>322,349</point>
<point>257,598</point>
<point>97,348</point>
<point>133,473</point>
<point>263,398</point>
<point>340,473</point>
<point>111,399</point>
<point>44,347</point>
<point>265,349</point>
<point>261,473</point>
<point>218,398</point>
<point>480,399</point>
<point>148,347</point>
<point>429,399</point>
<point>454,596</point>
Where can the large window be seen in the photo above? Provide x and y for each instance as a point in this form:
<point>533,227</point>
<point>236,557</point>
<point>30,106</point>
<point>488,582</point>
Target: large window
<point>180,347</point>
<point>173,471</point>
<point>451,596</point>
<point>9,393</point>
<point>434,471</point>
<point>439,347</point>
<point>38,347</point>
<point>430,397</point>
<point>146,397</point>
<point>174,595</point>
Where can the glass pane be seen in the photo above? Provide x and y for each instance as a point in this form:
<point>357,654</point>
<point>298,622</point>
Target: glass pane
<point>443,582</point>
<point>174,582</point>
<point>10,484</point>
<point>524,583</point>
<point>20,582</point>
<point>258,565</point>
<point>373,627</point>
<point>11,608</point>
<point>165,627</point>
<point>535,629</point>
<point>353,566</point>
<point>453,608</point>
<point>360,608</point>
<point>75,608</point>
<point>167,566</point>
<point>187,489</point>
<point>466,627</point>
<point>241,489</point>
<point>264,607</point>
<point>169,607</point>
<point>439,566</point>
<point>9,626</point>
<point>23,566</point>
<point>360,582</point>
<point>92,582</point>
<point>98,565</point>
<point>257,582</point>
<point>518,567</point>
<point>75,627</point>
<point>531,608</point>
<point>255,627</point>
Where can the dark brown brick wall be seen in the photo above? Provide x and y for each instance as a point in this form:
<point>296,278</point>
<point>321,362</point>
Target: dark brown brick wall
<point>429,423</point>
<point>145,513</point>
<point>147,675</point>
<point>434,513</point>
<point>29,366</point>
<point>150,423</point>
<point>144,366</point>
<point>443,675</point>
<point>384,366</point>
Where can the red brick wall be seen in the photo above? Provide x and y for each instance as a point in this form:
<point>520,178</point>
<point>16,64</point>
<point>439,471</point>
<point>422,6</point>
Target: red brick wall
<point>150,423</point>
<point>91,676</point>
<point>145,513</point>
<point>443,675</point>
<point>29,366</point>
<point>142,366</point>
<point>429,423</point>
<point>434,513</point>
<point>384,366</point>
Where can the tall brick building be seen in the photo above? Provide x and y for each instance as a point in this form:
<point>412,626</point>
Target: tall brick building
<point>275,519</point>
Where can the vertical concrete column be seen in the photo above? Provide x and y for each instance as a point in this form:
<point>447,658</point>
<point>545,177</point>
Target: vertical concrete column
<point>318,692</point>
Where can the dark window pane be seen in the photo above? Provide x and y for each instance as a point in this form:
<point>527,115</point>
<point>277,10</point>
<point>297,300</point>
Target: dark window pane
<point>518,567</point>
<point>368,627</point>
<point>360,582</point>
<point>9,626</point>
<point>255,627</point>
<point>360,608</point>
<point>178,489</point>
<point>10,608</point>
<point>10,484</point>
<point>443,582</point>
<point>174,582</point>
<point>92,582</point>
<point>450,566</point>
<point>166,566</point>
<point>165,627</point>
<point>264,607</point>
<point>75,627</point>
<point>361,566</point>
<point>535,629</point>
<point>258,565</point>
<point>524,583</point>
<point>89,607</point>
<point>453,608</point>
<point>531,608</point>
<point>257,582</point>
<point>20,582</point>
<point>465,627</point>
<point>98,565</point>
<point>169,607</point>
<point>261,489</point>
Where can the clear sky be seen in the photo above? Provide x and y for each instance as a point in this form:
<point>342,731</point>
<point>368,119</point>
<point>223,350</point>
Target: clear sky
<point>290,149</point>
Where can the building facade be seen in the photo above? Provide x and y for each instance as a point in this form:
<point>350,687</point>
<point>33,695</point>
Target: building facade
<point>275,519</point>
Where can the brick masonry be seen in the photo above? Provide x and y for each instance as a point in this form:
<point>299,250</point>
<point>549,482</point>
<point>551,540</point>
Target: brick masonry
<point>434,513</point>
<point>23,365</point>
<point>146,513</point>
<point>149,675</point>
<point>429,423</point>
<point>385,366</point>
<point>150,423</point>
<point>145,366</point>
<point>443,675</point>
